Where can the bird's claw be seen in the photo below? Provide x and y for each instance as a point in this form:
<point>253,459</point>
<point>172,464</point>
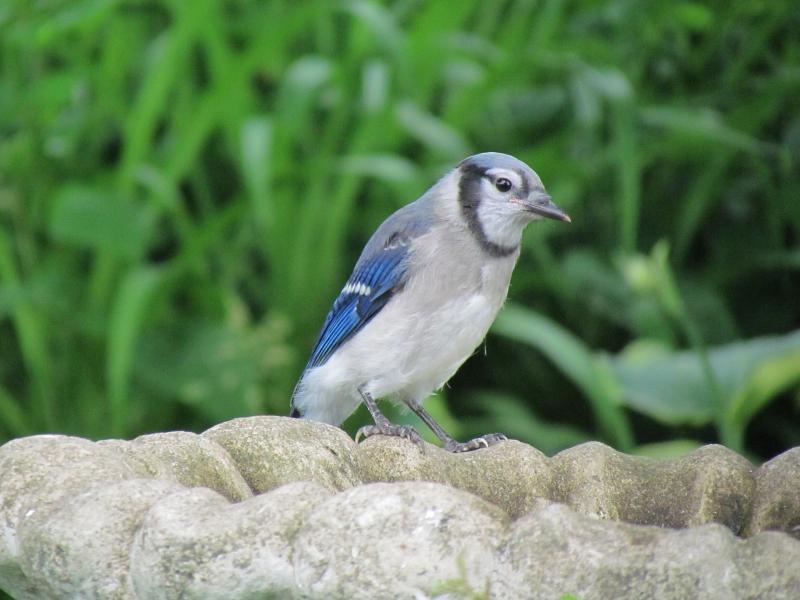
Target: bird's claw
<point>390,429</point>
<point>484,441</point>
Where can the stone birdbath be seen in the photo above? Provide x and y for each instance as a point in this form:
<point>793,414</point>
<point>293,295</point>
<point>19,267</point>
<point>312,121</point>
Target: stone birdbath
<point>272,507</point>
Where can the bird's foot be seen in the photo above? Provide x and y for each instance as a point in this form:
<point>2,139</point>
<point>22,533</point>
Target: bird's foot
<point>386,428</point>
<point>490,439</point>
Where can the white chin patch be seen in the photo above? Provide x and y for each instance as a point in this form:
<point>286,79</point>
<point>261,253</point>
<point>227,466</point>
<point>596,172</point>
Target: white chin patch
<point>502,227</point>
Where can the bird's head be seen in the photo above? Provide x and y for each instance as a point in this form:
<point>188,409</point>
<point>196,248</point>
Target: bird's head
<point>498,196</point>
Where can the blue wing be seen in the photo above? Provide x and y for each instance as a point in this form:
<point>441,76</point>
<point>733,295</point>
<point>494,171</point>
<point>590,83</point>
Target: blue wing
<point>381,271</point>
<point>373,282</point>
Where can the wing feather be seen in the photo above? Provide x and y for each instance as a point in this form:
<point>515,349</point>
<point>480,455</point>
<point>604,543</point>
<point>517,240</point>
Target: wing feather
<point>379,274</point>
<point>366,292</point>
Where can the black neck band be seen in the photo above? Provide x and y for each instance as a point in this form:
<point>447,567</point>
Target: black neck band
<point>469,199</point>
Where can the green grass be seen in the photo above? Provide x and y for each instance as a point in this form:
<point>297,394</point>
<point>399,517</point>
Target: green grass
<point>185,186</point>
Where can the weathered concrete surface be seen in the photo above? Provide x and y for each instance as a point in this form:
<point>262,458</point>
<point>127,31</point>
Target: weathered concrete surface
<point>710,485</point>
<point>556,551</point>
<point>271,451</point>
<point>776,499</point>
<point>195,544</point>
<point>82,548</point>
<point>174,515</point>
<point>512,475</point>
<point>396,540</point>
<point>186,458</point>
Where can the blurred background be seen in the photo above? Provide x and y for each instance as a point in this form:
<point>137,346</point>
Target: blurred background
<point>185,186</point>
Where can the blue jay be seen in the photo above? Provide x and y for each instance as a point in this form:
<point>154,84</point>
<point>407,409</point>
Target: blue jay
<point>422,296</point>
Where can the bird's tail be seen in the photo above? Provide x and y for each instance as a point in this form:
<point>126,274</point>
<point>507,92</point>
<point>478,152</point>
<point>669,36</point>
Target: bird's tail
<point>293,411</point>
<point>325,398</point>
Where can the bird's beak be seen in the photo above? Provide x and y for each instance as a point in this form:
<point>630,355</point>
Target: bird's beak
<point>541,204</point>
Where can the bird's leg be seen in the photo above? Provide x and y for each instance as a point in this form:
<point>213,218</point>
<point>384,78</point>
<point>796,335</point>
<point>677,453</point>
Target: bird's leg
<point>382,425</point>
<point>448,442</point>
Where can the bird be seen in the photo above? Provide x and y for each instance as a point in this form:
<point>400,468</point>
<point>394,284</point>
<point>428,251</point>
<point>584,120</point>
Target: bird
<point>422,296</point>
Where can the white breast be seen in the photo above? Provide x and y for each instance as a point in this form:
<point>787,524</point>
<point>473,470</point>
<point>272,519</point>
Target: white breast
<point>423,334</point>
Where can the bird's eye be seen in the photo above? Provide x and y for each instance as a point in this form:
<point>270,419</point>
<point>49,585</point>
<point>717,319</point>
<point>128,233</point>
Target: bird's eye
<point>502,184</point>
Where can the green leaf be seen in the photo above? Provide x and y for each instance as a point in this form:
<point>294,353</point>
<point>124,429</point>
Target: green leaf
<point>765,381</point>
<point>303,80</point>
<point>670,389</point>
<point>256,150</point>
<point>700,124</point>
<point>431,131</point>
<point>574,359</point>
<point>12,416</point>
<point>218,369</point>
<point>670,449</point>
<point>673,389</point>
<point>124,328</point>
<point>694,15</point>
<point>379,20</point>
<point>515,418</point>
<point>32,333</point>
<point>99,220</point>
<point>389,167</point>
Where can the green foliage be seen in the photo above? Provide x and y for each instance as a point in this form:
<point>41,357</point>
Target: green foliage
<point>591,375</point>
<point>460,586</point>
<point>669,386</point>
<point>185,185</point>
